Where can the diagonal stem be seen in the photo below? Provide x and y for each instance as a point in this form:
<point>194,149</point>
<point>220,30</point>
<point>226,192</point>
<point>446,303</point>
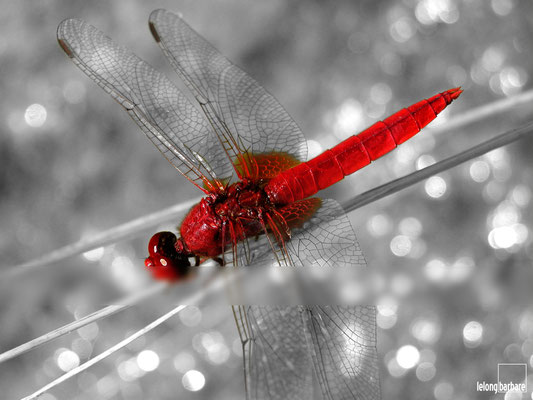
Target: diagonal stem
<point>484,111</point>
<point>106,353</point>
<point>415,177</point>
<point>120,232</point>
<point>215,286</point>
<point>72,326</point>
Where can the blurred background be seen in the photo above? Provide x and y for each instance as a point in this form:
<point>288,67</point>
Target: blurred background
<point>454,253</point>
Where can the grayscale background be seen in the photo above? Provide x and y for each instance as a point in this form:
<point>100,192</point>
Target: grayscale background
<point>454,254</point>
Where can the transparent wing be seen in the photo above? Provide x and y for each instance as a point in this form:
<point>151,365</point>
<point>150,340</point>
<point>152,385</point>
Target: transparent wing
<point>244,114</point>
<point>342,343</point>
<point>276,358</point>
<point>339,340</point>
<point>283,345</point>
<point>326,239</point>
<point>169,120</point>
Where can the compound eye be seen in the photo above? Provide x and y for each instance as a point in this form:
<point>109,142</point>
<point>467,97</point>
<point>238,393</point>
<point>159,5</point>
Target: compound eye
<point>164,261</point>
<point>163,268</point>
<point>162,243</point>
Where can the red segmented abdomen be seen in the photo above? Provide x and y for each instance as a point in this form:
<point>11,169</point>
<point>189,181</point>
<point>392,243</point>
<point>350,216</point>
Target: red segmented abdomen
<point>354,153</point>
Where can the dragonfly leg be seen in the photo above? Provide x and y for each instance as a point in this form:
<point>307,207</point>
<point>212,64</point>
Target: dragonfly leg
<point>219,260</point>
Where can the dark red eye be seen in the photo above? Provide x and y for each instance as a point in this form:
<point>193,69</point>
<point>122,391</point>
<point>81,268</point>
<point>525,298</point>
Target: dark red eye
<point>164,261</point>
<point>164,268</point>
<point>162,243</point>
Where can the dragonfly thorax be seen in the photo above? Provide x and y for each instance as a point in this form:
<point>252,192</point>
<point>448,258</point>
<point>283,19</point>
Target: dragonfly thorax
<point>223,219</point>
<point>241,200</point>
<point>211,226</point>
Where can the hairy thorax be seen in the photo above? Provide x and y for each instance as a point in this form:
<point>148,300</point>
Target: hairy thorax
<point>221,219</point>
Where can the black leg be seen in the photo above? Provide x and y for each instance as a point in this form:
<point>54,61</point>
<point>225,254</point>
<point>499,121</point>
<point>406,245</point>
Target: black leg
<point>219,260</point>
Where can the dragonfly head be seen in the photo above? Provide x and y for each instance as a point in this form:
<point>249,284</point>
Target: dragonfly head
<point>164,260</point>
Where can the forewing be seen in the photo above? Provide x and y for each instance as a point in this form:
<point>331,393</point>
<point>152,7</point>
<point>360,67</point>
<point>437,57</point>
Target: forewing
<point>169,120</point>
<point>343,348</point>
<point>245,116</point>
<point>276,359</point>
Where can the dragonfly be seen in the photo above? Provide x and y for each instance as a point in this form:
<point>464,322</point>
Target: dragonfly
<point>246,154</point>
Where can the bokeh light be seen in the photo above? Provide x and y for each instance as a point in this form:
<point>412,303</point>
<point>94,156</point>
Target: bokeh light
<point>129,370</point>
<point>387,314</point>
<point>407,356</point>
<point>507,236</point>
<point>502,7</point>
<point>83,348</point>
<point>425,371</point>
<point>395,369</point>
<point>401,245</point>
<point>125,273</point>
<point>148,360</point>
<point>35,115</point>
<point>479,171</point>
<point>191,316</point>
<point>89,332</point>
<point>380,93</point>
<point>410,226</point>
<point>107,387</point>
<point>193,380</point>
<point>401,284</point>
<point>426,330</point>
<point>349,119</point>
<point>521,195</point>
<point>472,334</point>
<point>507,232</point>
<point>443,391</point>
<point>402,29</point>
<point>435,270</point>
<point>184,361</point>
<point>435,187</point>
<point>430,12</point>
<point>424,161</point>
<point>67,359</point>
<point>379,225</point>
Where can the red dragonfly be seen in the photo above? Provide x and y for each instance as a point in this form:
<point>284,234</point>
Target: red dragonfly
<point>247,155</point>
